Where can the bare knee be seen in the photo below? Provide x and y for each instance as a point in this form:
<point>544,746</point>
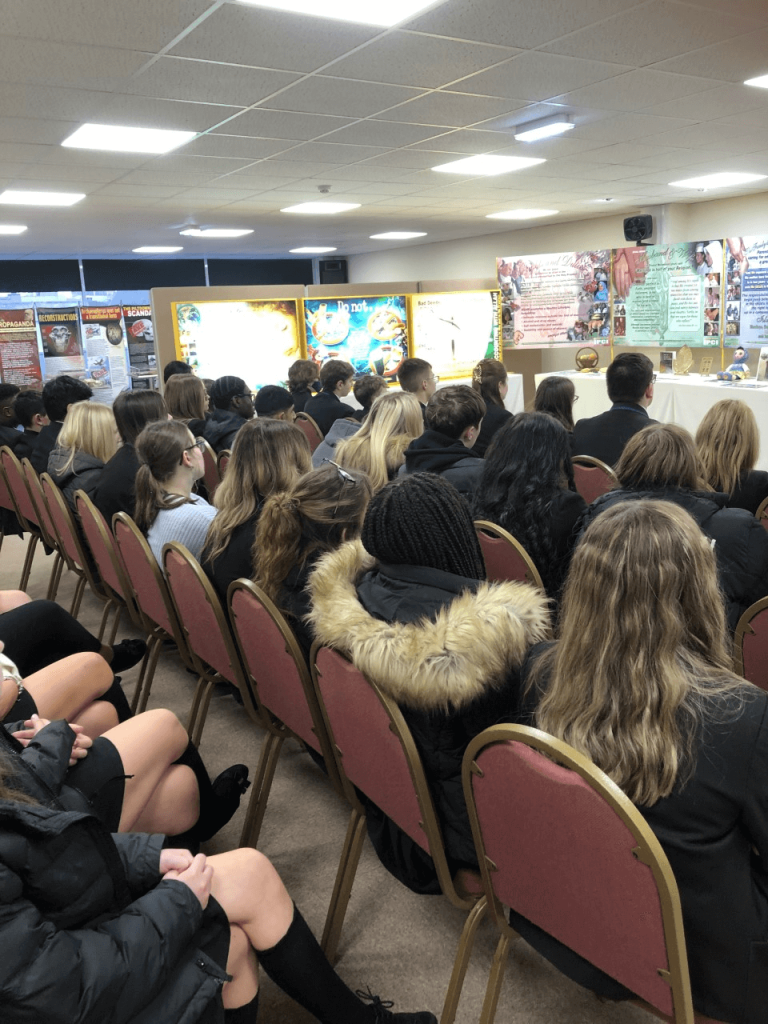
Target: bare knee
<point>164,723</point>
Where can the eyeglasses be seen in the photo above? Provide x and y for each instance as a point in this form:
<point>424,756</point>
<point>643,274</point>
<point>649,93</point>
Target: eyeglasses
<point>653,378</point>
<point>249,396</point>
<point>435,377</point>
<point>199,444</point>
<point>345,477</point>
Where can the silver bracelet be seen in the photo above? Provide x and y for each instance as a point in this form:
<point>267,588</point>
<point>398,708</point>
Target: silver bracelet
<point>20,686</point>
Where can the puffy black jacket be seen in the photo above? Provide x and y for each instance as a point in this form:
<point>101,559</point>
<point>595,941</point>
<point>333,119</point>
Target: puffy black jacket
<point>221,428</point>
<point>741,543</point>
<point>434,452</point>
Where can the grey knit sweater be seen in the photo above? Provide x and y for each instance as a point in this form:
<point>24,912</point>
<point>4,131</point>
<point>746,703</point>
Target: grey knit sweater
<point>188,524</point>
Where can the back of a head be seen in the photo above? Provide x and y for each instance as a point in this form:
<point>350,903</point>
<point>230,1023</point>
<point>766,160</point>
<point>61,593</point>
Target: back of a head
<point>378,448</point>
<point>658,456</point>
<point>8,391</point>
<point>487,378</point>
<point>186,397</point>
<point>175,366</point>
<point>135,409</point>
<point>89,427</point>
<point>333,372</point>
<point>268,456</point>
<point>452,409</point>
<point>412,372</point>
<point>628,377</point>
<point>422,520</point>
<point>366,389</point>
<point>160,448</point>
<point>728,443</point>
<point>301,374</point>
<point>61,392</point>
<point>224,389</point>
<point>272,399</point>
<point>27,405</point>
<point>555,396</point>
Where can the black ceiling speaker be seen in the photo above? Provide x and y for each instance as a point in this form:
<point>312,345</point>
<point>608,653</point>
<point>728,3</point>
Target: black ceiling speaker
<point>638,229</point>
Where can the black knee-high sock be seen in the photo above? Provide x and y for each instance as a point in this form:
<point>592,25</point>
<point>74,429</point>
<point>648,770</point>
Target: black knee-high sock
<point>243,1014</point>
<point>299,966</point>
<point>115,696</point>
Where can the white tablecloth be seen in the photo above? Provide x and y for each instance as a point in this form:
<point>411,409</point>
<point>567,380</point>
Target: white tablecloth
<point>682,400</point>
<point>514,400</point>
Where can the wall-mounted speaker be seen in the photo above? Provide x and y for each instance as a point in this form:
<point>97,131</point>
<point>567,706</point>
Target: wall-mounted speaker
<point>333,271</point>
<point>639,228</point>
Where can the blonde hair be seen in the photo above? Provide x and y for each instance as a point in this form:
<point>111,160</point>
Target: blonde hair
<point>728,443</point>
<point>378,448</point>
<point>186,397</point>
<point>661,455</point>
<point>88,427</point>
<point>267,456</point>
<point>643,648</point>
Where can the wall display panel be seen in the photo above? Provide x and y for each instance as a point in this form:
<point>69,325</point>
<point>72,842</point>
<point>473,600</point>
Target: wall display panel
<point>19,355</point>
<point>62,341</point>
<point>255,339</point>
<point>668,294</point>
<point>453,331</point>
<point>106,351</point>
<point>555,299</point>
<point>370,332</point>
<point>745,290</point>
<point>140,336</point>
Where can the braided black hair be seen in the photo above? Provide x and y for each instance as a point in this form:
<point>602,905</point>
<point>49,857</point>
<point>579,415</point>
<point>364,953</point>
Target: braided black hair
<point>421,519</point>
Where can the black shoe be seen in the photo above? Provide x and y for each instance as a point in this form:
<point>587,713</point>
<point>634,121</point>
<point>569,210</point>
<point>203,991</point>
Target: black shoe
<point>227,789</point>
<point>383,1015</point>
<point>127,654</point>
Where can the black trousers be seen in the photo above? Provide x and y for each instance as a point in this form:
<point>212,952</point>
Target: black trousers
<point>37,634</point>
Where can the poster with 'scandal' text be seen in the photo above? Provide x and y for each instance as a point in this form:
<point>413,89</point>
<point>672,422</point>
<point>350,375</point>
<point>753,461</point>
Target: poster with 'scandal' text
<point>140,333</point>
<point>19,356</point>
<point>555,299</point>
<point>746,291</point>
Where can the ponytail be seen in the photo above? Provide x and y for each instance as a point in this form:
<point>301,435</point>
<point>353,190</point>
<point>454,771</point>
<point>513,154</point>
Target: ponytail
<point>277,545</point>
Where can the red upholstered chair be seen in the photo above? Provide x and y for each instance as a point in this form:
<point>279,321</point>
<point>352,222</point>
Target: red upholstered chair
<point>47,527</point>
<point>762,513</point>
<point>21,503</point>
<point>73,549</point>
<point>750,644</point>
<point>376,754</point>
<point>586,867</point>
<point>279,677</point>
<point>223,461</point>
<point>211,477</point>
<point>505,558</point>
<point>592,477</point>
<point>309,428</point>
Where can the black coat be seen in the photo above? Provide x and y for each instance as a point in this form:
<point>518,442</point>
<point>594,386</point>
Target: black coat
<point>83,474</point>
<point>221,428</point>
<point>116,487</point>
<point>749,492</point>
<point>605,436</point>
<point>495,418</point>
<point>26,444</point>
<point>300,398</point>
<point>47,440</point>
<point>741,543</point>
<point>325,409</point>
<point>236,560</point>
<point>9,436</point>
<point>434,452</point>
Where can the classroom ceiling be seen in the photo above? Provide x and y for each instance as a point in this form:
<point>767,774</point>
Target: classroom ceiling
<point>285,103</point>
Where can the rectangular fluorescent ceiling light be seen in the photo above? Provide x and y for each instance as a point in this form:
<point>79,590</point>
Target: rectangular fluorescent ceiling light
<point>761,82</point>
<point>364,12</point>
<point>121,139</point>
<point>216,232</point>
<point>12,229</point>
<point>722,180</point>
<point>11,197</point>
<point>307,249</point>
<point>536,130</point>
<point>159,248</point>
<point>397,236</point>
<point>320,207</point>
<point>488,165</point>
<point>521,214</point>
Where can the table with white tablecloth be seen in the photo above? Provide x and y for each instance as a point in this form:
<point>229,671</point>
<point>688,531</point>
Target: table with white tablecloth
<point>682,400</point>
<point>514,400</point>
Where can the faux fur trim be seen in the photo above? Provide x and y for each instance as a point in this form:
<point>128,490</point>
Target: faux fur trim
<point>443,665</point>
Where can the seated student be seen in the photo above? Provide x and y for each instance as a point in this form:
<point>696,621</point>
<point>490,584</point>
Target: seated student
<point>166,509</point>
<point>555,396</point>
<point>489,380</point>
<point>378,448</point>
<point>187,401</point>
<point>86,442</point>
<point>629,380</point>
<point>410,606</point>
<point>453,420</point>
<point>416,377</point>
<point>273,402</point>
<point>728,443</point>
<point>641,683</point>
<point>302,381</point>
<point>336,378</point>
<point>58,395</point>
<point>31,414</point>
<point>176,366</point>
<point>116,487</point>
<point>232,407</point>
<point>9,435</point>
<point>365,389</point>
<point>268,456</point>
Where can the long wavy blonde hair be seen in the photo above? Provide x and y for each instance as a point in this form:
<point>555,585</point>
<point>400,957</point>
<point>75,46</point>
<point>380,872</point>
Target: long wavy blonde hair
<point>661,455</point>
<point>728,443</point>
<point>89,427</point>
<point>643,655</point>
<point>378,448</point>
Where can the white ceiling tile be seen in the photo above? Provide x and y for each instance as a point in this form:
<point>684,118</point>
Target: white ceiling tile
<point>403,159</point>
<point>62,172</point>
<point>468,140</point>
<point>321,95</point>
<point>144,176</point>
<point>262,183</point>
<point>285,168</point>
<point>234,146</point>
<point>383,133</point>
<point>36,130</point>
<point>329,153</point>
<point>642,88</point>
<point>754,10</point>
<point>371,170</point>
<point>176,78</point>
<point>537,76</point>
<point>451,109</point>
<point>630,126</point>
<point>128,191</point>
<point>732,60</point>
<point>716,101</point>
<point>757,118</point>
<point>726,138</point>
<point>280,124</point>
<point>218,196</point>
<point>40,62</point>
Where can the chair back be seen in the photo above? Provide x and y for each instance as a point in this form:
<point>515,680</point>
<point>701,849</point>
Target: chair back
<point>505,558</point>
<point>101,541</point>
<point>20,496</point>
<point>211,476</point>
<point>6,499</point>
<point>150,590</point>
<point>592,477</point>
<point>44,518</point>
<point>750,644</point>
<point>762,513</point>
<point>586,868</point>
<point>309,428</point>
<point>223,461</point>
<point>64,524</point>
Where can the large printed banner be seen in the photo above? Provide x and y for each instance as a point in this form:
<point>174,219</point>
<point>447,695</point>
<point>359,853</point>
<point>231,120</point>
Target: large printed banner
<point>556,298</point>
<point>453,331</point>
<point>668,294</point>
<point>370,332</point>
<point>257,339</point>
<point>62,346</point>
<point>19,357</point>
<point>140,334</point>
<point>746,291</point>
<point>106,352</point>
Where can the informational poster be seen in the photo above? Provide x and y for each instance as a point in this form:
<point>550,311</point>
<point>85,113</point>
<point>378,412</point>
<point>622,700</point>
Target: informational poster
<point>62,345</point>
<point>254,339</point>
<point>668,294</point>
<point>453,331</point>
<point>19,356</point>
<point>554,299</point>
<point>140,334</point>
<point>106,351</point>
<point>746,291</point>
<point>370,332</point>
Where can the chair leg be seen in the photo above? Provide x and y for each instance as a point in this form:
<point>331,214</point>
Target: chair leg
<point>74,611</point>
<point>463,954</point>
<point>146,674</point>
<point>109,605</point>
<point>493,990</point>
<point>199,709</point>
<point>53,582</point>
<point>342,889</point>
<point>262,784</point>
<point>27,567</point>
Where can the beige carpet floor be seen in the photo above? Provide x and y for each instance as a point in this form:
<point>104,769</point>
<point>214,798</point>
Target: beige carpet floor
<point>400,945</point>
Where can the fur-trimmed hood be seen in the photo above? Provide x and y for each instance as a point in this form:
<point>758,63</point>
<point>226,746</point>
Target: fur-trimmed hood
<point>441,665</point>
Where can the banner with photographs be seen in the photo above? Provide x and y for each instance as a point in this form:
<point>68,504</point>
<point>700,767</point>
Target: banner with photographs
<point>62,345</point>
<point>453,331</point>
<point>555,299</point>
<point>746,291</point>
<point>19,355</point>
<point>370,332</point>
<point>256,338</point>
<point>140,334</point>
<point>106,351</point>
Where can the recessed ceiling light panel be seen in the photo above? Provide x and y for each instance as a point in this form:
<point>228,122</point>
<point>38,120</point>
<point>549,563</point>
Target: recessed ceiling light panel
<point>216,232</point>
<point>12,229</point>
<point>397,236</point>
<point>724,179</point>
<point>544,128</point>
<point>521,214</point>
<point>121,139</point>
<point>308,249</point>
<point>761,82</point>
<point>159,248</point>
<point>488,165</point>
<point>364,12</point>
<point>320,206</point>
<point>13,197</point>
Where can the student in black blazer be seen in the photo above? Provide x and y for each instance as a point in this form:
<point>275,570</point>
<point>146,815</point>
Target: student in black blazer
<point>336,377</point>
<point>489,380</point>
<point>58,395</point>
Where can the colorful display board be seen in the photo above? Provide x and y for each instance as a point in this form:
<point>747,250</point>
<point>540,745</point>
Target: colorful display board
<point>106,351</point>
<point>257,339</point>
<point>370,332</point>
<point>61,341</point>
<point>453,331</point>
<point>19,355</point>
<point>140,334</point>
<point>746,291</point>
